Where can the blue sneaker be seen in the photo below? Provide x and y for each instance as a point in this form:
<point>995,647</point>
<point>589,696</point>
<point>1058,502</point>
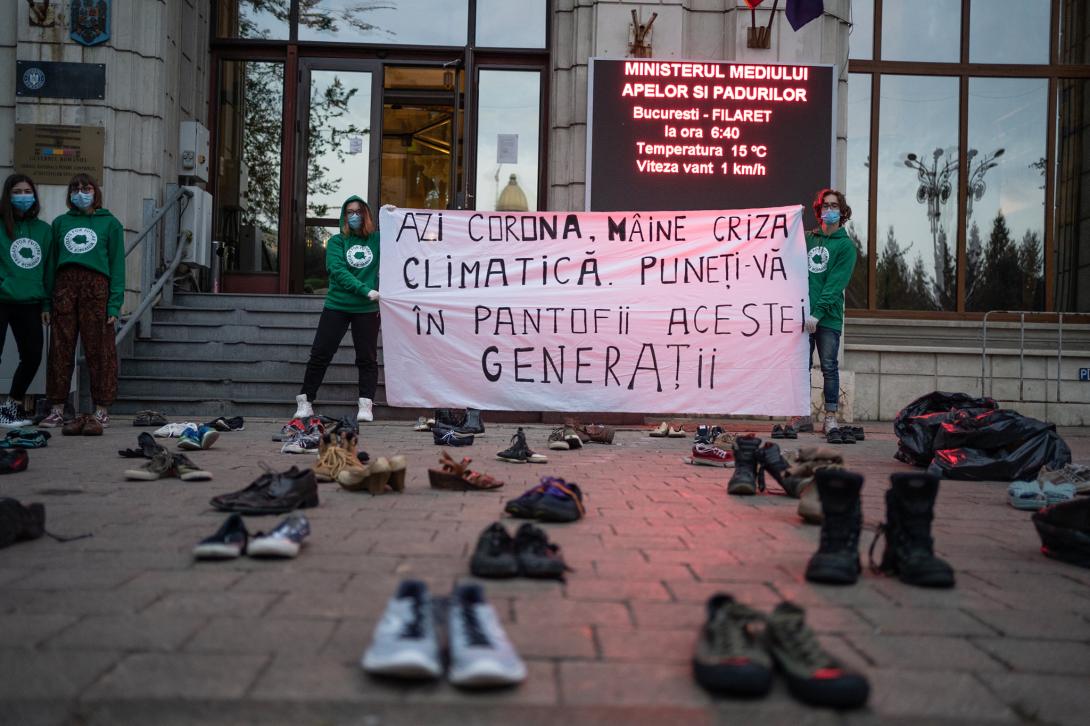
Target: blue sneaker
<point>194,438</point>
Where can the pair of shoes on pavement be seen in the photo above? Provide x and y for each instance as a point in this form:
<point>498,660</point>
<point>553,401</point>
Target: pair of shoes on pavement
<point>739,649</point>
<point>12,461</point>
<point>162,464</point>
<point>564,438</point>
<point>83,425</point>
<point>12,415</point>
<point>753,460</point>
<point>25,439</point>
<point>552,500</point>
<point>519,452</point>
<point>845,435</point>
<point>304,441</point>
<point>405,643</point>
<point>195,438</point>
<point>1030,495</point>
<point>233,540</point>
<point>147,418</point>
<point>909,547</point>
<point>785,431</point>
<point>272,493</point>
<point>665,430</point>
<point>528,554</point>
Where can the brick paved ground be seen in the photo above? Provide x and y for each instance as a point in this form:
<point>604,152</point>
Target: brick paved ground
<point>125,628</point>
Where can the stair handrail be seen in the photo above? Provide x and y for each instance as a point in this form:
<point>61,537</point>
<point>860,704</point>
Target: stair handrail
<point>1022,349</point>
<point>182,193</point>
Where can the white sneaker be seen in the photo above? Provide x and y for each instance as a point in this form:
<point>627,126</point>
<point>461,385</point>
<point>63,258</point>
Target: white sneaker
<point>480,653</point>
<point>405,643</point>
<point>173,430</point>
<point>303,409</point>
<point>365,413</point>
<point>830,423</point>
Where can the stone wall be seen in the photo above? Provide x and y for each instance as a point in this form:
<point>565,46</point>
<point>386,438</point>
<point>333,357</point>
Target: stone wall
<point>156,76</point>
<point>684,29</point>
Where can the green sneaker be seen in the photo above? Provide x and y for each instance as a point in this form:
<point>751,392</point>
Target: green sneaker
<point>813,676</point>
<point>730,657</point>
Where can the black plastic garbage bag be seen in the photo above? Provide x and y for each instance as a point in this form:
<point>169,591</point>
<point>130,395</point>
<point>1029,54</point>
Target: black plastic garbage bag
<point>997,445</point>
<point>917,423</point>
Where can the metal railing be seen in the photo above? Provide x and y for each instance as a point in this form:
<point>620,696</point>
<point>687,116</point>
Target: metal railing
<point>1022,350</point>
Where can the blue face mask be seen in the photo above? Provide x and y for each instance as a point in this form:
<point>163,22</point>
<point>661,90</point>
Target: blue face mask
<point>830,217</point>
<point>22,202</point>
<point>355,220</point>
<point>82,200</point>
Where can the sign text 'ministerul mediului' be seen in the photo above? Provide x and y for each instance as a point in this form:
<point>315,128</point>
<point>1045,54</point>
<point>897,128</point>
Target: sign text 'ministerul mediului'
<point>707,135</point>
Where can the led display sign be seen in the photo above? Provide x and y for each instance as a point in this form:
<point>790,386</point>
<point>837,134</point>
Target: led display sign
<point>706,135</point>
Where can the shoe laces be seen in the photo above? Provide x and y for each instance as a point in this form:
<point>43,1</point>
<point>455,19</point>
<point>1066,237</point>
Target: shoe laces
<point>473,627</point>
<point>794,636</point>
<point>414,626</point>
<point>729,622</point>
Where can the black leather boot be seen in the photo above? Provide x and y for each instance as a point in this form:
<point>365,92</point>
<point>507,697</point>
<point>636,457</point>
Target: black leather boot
<point>473,423</point>
<point>770,459</point>
<point>910,553</point>
<point>744,480</point>
<point>837,560</point>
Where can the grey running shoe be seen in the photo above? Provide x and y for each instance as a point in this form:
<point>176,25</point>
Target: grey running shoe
<point>480,653</point>
<point>813,675</point>
<point>303,442</point>
<point>159,465</point>
<point>405,643</point>
<point>283,541</point>
<point>730,657</point>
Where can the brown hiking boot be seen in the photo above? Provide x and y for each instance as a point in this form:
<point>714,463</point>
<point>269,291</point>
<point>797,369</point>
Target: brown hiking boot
<point>349,472</point>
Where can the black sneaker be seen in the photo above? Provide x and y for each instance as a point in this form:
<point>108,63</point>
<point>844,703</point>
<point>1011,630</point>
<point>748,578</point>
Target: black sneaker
<point>730,657</point>
<point>495,554</point>
<point>519,452</point>
<point>837,560</point>
<point>813,675</point>
<point>537,557</point>
<point>227,543</point>
<point>446,436</point>
<point>12,415</point>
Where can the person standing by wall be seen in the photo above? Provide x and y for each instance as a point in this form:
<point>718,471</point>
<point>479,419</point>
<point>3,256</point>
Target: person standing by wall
<point>28,242</point>
<point>352,262</point>
<point>830,260</point>
<point>87,293</point>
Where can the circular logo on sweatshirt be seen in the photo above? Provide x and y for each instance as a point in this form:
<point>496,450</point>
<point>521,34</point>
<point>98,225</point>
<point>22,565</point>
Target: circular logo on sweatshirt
<point>817,260</point>
<point>359,256</point>
<point>26,253</point>
<point>80,240</point>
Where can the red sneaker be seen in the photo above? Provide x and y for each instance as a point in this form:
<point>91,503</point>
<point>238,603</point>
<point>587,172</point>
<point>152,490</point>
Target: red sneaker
<point>709,455</point>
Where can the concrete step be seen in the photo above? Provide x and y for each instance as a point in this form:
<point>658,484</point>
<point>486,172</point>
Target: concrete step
<point>225,316</point>
<point>212,352</point>
<point>243,333</point>
<point>282,370</point>
<point>333,389</point>
<point>297,303</point>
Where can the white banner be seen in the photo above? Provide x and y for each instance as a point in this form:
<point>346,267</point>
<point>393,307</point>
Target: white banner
<point>671,312</point>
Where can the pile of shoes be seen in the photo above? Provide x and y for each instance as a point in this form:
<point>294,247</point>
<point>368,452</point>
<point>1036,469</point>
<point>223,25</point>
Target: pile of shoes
<point>845,434</point>
<point>301,437</point>
<point>160,463</point>
<point>233,540</point>
<point>666,430</point>
<point>528,554</point>
<point>519,452</point>
<point>457,476</point>
<point>798,481</point>
<point>272,493</point>
<point>739,649</point>
<point>405,643</point>
<point>552,500</point>
<point>564,438</point>
<point>909,548</point>
<point>25,439</point>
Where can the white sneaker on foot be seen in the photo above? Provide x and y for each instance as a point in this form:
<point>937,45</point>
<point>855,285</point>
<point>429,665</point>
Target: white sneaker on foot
<point>303,409</point>
<point>830,423</point>
<point>365,413</point>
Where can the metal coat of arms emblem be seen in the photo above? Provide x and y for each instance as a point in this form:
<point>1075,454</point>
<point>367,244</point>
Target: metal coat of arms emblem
<point>90,21</point>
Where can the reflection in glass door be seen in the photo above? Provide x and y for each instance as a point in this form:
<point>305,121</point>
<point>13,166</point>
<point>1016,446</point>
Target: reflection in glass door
<point>337,165</point>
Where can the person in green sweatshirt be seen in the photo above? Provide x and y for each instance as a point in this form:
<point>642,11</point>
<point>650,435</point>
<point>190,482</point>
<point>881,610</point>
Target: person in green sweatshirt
<point>830,260</point>
<point>87,280</point>
<point>351,258</point>
<point>29,243</point>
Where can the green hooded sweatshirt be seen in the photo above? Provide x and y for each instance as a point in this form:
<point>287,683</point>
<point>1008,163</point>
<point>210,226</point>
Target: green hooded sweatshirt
<point>95,241</point>
<point>352,263</point>
<point>830,260</point>
<point>23,269</point>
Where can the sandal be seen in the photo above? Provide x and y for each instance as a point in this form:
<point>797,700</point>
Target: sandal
<point>456,476</point>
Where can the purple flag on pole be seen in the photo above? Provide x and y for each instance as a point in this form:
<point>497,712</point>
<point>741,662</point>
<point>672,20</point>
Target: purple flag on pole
<point>801,12</point>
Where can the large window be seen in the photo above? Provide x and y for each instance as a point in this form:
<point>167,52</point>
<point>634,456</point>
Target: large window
<point>508,117</point>
<point>977,120</point>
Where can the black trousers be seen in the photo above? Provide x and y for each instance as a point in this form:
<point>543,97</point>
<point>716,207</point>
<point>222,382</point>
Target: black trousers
<point>331,329</point>
<point>25,320</point>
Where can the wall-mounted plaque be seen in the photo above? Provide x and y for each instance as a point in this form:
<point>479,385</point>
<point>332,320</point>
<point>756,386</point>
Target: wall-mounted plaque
<point>52,154</point>
<point>48,79</point>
